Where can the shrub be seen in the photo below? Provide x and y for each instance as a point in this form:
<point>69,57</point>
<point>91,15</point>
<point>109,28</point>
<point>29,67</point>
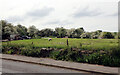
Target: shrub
<point>116,52</point>
<point>102,59</point>
<point>93,58</point>
<point>10,52</point>
<point>109,56</point>
<point>111,61</point>
<point>54,54</point>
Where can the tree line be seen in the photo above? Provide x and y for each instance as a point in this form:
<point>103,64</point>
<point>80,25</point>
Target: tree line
<point>59,32</point>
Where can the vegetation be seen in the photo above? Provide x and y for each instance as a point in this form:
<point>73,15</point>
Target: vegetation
<point>94,47</point>
<point>9,29</point>
<point>85,44</point>
<point>93,51</point>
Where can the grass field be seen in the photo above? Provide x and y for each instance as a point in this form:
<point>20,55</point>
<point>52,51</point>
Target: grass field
<point>85,44</point>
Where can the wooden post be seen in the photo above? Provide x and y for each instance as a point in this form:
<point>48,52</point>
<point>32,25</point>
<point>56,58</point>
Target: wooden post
<point>32,43</point>
<point>67,43</point>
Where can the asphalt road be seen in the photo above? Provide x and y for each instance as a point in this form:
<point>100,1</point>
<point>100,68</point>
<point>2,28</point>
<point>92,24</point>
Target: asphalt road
<point>9,66</point>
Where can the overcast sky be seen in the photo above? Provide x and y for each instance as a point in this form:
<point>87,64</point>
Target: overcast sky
<point>90,14</point>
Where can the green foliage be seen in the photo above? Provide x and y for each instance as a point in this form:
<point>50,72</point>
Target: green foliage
<point>22,30</point>
<point>94,58</point>
<point>66,54</point>
<point>8,29</point>
<point>54,54</point>
<point>116,52</point>
<point>102,59</point>
<point>10,52</point>
<point>77,33</point>
<point>46,33</point>
<point>32,30</point>
<point>32,52</point>
<point>96,34</point>
<point>86,35</point>
<point>107,35</point>
<point>61,32</point>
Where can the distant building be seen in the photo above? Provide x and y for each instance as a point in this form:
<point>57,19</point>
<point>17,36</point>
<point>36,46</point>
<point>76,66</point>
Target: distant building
<point>66,36</point>
<point>13,37</point>
<point>18,37</point>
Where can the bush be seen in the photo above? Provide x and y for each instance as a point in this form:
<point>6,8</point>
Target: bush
<point>10,52</point>
<point>66,54</point>
<point>111,61</point>
<point>102,59</point>
<point>93,58</point>
<point>54,54</point>
<point>116,52</point>
<point>108,58</point>
<point>62,55</point>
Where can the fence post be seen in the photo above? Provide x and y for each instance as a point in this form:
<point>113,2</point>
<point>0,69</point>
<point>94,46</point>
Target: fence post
<point>32,43</point>
<point>67,43</point>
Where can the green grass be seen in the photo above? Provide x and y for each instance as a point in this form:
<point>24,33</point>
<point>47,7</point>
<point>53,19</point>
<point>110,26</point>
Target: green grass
<point>85,44</point>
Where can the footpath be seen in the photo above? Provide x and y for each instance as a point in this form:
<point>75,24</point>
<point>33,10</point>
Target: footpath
<point>63,64</point>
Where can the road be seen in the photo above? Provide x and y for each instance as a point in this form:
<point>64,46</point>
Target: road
<point>9,66</point>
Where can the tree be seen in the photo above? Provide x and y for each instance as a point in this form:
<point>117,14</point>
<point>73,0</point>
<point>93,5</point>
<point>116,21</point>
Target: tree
<point>32,30</point>
<point>46,32</point>
<point>86,35</point>
<point>22,30</point>
<point>107,35</point>
<point>70,32</point>
<point>96,34</point>
<point>78,32</point>
<point>115,34</point>
<point>7,29</point>
<point>61,32</point>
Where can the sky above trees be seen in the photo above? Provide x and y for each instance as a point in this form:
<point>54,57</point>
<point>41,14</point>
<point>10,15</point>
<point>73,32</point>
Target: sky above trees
<point>92,15</point>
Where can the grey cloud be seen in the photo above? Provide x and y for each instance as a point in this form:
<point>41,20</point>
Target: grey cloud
<point>34,14</point>
<point>15,19</point>
<point>64,22</point>
<point>86,12</point>
<point>40,12</point>
<point>114,14</point>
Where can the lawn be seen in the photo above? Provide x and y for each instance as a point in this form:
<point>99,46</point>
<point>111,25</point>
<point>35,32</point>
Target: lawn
<point>85,44</point>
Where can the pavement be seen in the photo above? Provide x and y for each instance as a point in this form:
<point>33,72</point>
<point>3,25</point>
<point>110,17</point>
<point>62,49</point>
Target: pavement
<point>9,66</point>
<point>99,69</point>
